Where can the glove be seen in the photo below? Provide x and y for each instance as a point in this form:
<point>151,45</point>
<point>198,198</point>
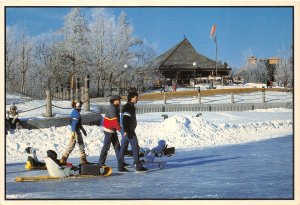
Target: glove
<point>73,135</point>
<point>84,132</point>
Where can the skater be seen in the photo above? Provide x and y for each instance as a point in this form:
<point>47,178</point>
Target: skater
<point>76,136</point>
<point>129,125</point>
<point>111,124</point>
<point>12,115</point>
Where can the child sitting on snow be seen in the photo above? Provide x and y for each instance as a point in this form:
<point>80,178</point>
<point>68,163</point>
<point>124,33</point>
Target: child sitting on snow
<point>12,117</point>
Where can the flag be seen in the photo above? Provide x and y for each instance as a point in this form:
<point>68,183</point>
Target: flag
<point>213,30</point>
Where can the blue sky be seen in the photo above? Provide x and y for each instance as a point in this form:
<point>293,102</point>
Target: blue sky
<point>261,31</point>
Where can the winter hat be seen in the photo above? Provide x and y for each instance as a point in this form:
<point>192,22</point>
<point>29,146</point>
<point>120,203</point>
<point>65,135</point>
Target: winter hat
<point>13,106</point>
<point>115,97</point>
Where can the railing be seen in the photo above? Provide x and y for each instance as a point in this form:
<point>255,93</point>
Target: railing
<point>141,109</point>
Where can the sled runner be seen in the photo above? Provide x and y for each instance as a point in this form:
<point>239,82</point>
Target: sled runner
<point>49,178</point>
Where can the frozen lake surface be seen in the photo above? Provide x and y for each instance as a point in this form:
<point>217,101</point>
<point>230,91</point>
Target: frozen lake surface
<point>255,170</point>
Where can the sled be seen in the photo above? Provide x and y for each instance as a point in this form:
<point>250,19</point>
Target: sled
<point>156,155</point>
<point>108,172</point>
<point>167,152</point>
<point>104,172</point>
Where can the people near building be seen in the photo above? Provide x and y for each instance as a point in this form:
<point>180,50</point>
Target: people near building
<point>268,83</point>
<point>174,87</point>
<point>129,137</point>
<point>12,117</point>
<point>76,136</point>
<point>163,88</point>
<point>111,124</point>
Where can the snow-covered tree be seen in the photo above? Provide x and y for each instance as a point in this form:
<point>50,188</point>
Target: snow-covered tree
<point>11,53</point>
<point>144,75</point>
<point>48,61</point>
<point>284,70</point>
<point>255,73</point>
<point>110,44</point>
<point>74,47</point>
<point>24,57</point>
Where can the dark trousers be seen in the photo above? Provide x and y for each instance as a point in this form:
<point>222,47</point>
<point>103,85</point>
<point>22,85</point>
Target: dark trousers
<point>135,151</point>
<point>11,124</point>
<point>109,138</point>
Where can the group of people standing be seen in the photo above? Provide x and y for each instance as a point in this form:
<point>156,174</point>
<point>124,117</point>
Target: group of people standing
<point>112,123</point>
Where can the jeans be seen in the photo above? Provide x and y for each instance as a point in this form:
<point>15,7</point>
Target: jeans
<point>109,138</point>
<point>135,149</point>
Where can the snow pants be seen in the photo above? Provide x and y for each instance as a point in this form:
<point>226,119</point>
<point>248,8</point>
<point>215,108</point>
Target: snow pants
<point>72,142</point>
<point>109,138</point>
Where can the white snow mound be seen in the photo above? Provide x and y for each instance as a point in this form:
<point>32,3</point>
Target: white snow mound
<point>180,131</point>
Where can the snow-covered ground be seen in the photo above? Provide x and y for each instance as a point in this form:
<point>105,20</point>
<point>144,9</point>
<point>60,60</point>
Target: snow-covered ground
<point>218,155</point>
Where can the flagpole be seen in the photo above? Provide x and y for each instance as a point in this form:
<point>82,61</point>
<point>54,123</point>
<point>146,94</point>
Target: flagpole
<point>216,55</point>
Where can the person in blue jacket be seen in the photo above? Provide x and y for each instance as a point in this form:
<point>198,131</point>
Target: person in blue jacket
<point>76,128</point>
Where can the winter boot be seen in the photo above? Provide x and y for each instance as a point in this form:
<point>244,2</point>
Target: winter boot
<point>83,160</point>
<point>63,160</point>
<point>123,170</point>
<point>141,169</point>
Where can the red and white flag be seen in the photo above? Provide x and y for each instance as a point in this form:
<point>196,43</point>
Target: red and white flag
<point>213,30</point>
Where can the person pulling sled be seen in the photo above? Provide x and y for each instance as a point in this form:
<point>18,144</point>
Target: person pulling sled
<point>76,136</point>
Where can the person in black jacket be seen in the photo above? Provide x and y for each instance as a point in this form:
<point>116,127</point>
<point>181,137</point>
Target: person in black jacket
<point>129,125</point>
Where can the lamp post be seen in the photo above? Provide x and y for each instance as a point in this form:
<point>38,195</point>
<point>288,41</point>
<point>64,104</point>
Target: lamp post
<point>125,80</point>
<point>194,66</point>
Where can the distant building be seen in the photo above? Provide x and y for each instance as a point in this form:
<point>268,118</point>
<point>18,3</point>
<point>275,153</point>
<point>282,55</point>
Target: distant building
<point>270,63</point>
<point>182,64</point>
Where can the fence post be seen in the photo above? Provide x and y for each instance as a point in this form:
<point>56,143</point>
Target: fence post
<point>57,93</point>
<point>68,91</point>
<point>77,90</point>
<point>86,94</point>
<point>263,95</point>
<point>48,112</point>
<point>72,89</point>
<point>82,94</point>
<point>165,100</point>
<point>61,92</point>
<point>232,97</point>
<point>199,95</point>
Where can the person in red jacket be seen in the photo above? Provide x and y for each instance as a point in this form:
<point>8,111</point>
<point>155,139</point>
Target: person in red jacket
<point>111,124</point>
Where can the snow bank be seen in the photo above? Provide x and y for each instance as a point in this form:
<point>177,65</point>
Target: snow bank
<point>181,131</point>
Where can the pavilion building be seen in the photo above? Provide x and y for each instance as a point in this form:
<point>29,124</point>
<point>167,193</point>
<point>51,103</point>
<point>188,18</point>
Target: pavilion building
<point>183,65</point>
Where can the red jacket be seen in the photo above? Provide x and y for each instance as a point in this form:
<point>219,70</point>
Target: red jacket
<point>111,121</point>
<point>111,124</point>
